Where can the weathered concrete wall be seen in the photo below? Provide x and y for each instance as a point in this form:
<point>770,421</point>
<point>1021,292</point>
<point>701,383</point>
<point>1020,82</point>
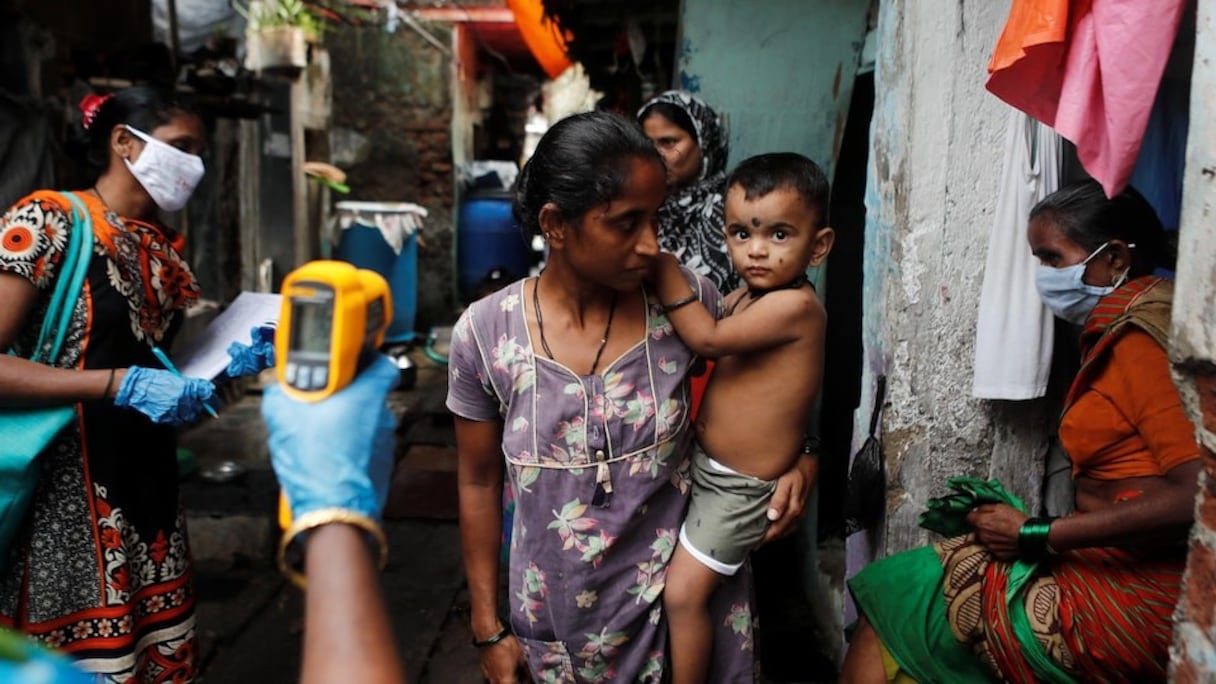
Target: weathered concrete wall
<point>395,89</point>
<point>1193,339</point>
<point>934,169</point>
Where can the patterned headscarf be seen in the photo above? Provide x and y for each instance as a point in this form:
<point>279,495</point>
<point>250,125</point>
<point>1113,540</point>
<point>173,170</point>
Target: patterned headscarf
<point>692,219</point>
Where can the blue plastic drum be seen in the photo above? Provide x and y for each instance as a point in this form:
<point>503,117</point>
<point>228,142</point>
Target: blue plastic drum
<point>487,238</point>
<point>362,243</point>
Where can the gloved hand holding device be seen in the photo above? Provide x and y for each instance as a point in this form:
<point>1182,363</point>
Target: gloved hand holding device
<point>336,453</point>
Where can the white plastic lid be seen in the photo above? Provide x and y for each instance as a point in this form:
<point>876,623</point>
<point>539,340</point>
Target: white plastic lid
<point>380,207</point>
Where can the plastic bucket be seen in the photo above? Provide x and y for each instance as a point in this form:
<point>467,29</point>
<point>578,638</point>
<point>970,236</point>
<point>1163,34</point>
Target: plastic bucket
<point>487,238</point>
<point>363,241</point>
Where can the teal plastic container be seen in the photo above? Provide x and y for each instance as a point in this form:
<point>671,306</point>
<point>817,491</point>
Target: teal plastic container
<point>363,244</point>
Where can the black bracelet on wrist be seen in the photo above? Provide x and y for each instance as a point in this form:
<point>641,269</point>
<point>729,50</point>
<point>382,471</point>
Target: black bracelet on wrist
<point>679,304</point>
<point>498,636</point>
<point>105,394</point>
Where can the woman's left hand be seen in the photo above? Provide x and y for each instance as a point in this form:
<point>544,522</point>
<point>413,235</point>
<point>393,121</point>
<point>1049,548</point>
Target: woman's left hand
<point>997,527</point>
<point>789,500</point>
<point>252,358</point>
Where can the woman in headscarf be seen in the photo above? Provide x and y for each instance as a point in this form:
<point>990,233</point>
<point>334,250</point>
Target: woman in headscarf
<point>692,140</point>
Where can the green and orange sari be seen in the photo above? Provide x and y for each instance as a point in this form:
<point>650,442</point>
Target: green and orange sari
<point>950,612</point>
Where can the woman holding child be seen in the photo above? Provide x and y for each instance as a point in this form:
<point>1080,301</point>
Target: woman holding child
<point>1097,588</point>
<point>576,383</point>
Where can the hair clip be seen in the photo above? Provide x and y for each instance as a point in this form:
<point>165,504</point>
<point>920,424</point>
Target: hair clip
<point>91,105</point>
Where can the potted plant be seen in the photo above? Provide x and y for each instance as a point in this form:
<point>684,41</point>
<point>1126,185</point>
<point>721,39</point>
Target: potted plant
<point>277,33</point>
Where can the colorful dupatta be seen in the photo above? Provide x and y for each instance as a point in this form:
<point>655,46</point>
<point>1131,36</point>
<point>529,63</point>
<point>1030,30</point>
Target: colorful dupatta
<point>1144,302</point>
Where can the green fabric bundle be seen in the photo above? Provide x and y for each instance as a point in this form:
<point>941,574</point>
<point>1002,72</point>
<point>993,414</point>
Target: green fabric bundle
<point>947,515</point>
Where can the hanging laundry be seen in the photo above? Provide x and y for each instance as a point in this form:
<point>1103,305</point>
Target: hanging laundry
<point>1158,172</point>
<point>1090,71</point>
<point>1014,334</point>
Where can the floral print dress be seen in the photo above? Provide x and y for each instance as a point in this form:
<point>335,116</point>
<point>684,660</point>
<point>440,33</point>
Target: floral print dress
<point>101,569</point>
<point>599,465</point>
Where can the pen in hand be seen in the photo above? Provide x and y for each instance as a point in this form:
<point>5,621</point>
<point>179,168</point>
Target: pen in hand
<point>164,360</point>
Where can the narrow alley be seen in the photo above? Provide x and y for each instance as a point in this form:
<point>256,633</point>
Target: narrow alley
<point>250,619</point>
<point>787,341</point>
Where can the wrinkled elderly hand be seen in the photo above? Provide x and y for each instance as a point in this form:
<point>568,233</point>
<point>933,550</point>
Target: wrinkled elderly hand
<point>163,396</point>
<point>253,358</point>
<point>997,527</point>
<point>335,453</point>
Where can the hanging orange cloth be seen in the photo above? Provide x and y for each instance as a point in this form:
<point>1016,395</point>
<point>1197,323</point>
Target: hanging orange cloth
<point>1089,69</point>
<point>545,40</point>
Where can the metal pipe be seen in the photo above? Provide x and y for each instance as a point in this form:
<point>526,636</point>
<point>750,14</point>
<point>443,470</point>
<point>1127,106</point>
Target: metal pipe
<point>174,41</point>
<point>411,22</point>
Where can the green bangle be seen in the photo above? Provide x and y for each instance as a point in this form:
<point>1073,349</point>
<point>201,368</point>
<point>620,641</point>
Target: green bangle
<point>1032,538</point>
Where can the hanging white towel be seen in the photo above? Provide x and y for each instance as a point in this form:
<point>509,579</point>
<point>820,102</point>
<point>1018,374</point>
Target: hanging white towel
<point>1015,330</point>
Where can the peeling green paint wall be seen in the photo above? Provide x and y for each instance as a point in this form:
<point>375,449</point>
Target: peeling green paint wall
<point>781,71</point>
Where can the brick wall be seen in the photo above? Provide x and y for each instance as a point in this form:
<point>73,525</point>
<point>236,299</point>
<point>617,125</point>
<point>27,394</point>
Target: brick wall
<point>1194,659</point>
<point>395,89</point>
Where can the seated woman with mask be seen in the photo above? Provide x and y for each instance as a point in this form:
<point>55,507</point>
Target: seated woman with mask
<point>1088,597</point>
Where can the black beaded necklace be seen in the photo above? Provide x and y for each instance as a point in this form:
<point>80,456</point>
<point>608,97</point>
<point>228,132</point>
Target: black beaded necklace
<point>540,326</point>
<point>794,284</point>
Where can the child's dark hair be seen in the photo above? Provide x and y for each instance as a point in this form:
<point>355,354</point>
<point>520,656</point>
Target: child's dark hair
<point>1086,216</point>
<point>139,107</point>
<point>675,115</point>
<point>764,173</point>
<point>579,163</point>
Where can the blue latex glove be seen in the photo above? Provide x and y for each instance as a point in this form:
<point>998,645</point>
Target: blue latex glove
<point>336,453</point>
<point>21,660</point>
<point>251,359</point>
<point>163,396</point>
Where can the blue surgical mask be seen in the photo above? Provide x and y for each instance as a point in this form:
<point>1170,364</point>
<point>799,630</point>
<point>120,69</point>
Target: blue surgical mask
<point>1065,292</point>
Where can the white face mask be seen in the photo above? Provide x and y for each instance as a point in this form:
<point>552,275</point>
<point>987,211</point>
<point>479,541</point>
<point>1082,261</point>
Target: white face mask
<point>168,174</point>
<point>1065,292</point>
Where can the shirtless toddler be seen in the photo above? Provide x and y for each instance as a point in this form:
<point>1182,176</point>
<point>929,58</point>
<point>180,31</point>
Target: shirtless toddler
<point>769,351</point>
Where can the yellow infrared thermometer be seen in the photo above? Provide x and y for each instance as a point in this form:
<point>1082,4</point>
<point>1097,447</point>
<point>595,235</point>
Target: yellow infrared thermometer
<point>333,319</point>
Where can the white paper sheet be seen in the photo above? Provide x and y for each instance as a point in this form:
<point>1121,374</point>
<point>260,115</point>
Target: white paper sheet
<point>207,354</point>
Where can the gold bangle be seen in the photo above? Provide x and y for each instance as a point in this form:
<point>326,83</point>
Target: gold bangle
<point>315,519</point>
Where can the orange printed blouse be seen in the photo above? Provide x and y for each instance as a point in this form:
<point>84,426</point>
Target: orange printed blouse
<point>1129,422</point>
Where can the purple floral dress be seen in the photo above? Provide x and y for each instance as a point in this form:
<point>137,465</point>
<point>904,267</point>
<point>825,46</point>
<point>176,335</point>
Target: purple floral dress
<point>599,467</point>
